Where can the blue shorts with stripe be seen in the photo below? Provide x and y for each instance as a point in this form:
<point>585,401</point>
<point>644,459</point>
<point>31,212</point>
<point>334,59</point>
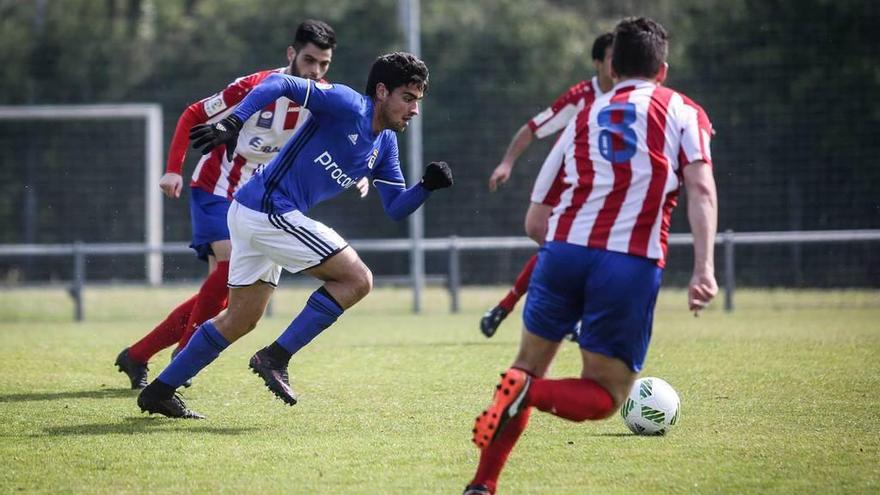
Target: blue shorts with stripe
<point>612,294</point>
<point>208,214</point>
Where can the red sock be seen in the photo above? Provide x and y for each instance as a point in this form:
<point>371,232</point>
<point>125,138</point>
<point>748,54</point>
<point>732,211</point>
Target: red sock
<point>575,399</point>
<point>165,334</point>
<point>212,299</point>
<point>492,459</point>
<point>521,286</point>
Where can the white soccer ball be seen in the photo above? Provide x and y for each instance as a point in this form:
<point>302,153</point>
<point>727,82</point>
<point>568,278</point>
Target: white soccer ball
<point>652,407</point>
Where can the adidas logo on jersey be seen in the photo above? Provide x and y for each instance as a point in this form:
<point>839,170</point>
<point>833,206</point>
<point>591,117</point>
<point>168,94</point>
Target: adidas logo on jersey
<point>353,138</point>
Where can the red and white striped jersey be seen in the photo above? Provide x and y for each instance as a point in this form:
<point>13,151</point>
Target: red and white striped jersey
<point>261,137</point>
<point>623,158</point>
<point>549,185</point>
<point>555,117</point>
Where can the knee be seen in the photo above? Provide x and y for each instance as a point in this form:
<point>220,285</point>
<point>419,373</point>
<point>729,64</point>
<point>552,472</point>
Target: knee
<point>362,282</point>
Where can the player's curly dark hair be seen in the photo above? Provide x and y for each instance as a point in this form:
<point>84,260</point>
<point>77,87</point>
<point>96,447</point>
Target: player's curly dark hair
<point>640,47</point>
<point>319,33</point>
<point>397,69</point>
<point>600,45</point>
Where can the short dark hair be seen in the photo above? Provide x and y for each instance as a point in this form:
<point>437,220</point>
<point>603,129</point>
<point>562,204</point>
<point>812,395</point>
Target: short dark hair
<point>319,33</point>
<point>600,45</point>
<point>397,69</point>
<point>640,47</point>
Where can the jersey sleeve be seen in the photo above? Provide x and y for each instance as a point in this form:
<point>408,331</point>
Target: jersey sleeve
<point>696,134</point>
<point>387,168</point>
<point>555,117</point>
<point>210,109</point>
<point>397,200</point>
<point>318,97</point>
<point>550,183</point>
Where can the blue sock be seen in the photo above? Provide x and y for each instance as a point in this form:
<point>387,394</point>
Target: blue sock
<point>320,312</point>
<point>204,346</point>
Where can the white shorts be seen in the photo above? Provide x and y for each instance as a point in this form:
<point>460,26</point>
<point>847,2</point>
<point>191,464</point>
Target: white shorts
<point>263,244</point>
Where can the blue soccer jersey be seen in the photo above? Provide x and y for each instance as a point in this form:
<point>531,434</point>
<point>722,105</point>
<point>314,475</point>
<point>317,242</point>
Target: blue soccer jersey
<point>330,152</point>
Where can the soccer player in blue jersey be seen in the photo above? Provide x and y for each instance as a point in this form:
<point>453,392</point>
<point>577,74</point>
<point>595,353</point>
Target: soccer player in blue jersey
<point>348,136</point>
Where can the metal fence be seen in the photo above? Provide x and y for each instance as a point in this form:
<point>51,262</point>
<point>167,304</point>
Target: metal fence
<point>453,247</point>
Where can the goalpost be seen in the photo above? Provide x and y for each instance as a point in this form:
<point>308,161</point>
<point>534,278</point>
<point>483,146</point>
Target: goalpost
<point>151,113</point>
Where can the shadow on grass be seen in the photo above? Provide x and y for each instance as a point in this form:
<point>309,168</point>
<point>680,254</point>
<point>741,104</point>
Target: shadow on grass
<point>104,393</point>
<point>612,435</point>
<point>139,425</point>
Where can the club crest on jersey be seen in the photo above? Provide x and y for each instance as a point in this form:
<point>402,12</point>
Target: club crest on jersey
<point>372,159</point>
<point>265,119</point>
<point>325,160</point>
<point>214,105</point>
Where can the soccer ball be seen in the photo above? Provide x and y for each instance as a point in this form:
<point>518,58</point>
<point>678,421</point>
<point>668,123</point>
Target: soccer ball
<point>652,407</point>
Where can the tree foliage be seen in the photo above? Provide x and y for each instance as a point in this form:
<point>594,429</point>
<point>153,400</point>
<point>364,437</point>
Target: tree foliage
<point>791,86</point>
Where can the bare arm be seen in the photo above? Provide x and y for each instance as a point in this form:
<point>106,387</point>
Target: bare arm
<point>521,140</point>
<point>702,211</point>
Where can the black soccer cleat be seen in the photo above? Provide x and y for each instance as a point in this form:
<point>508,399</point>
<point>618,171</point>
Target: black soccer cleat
<point>274,375</point>
<point>137,372</point>
<point>490,321</point>
<point>188,383</point>
<point>154,401</point>
<point>476,490</point>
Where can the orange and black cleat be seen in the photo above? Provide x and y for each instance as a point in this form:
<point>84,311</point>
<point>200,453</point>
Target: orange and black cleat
<point>509,400</point>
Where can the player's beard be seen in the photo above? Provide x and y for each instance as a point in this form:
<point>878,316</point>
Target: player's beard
<point>292,70</point>
<point>388,121</point>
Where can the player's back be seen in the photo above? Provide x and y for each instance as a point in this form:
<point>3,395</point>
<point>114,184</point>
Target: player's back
<point>624,158</point>
<point>555,117</point>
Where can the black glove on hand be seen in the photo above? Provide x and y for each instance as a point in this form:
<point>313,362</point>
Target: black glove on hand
<point>437,176</point>
<point>209,136</point>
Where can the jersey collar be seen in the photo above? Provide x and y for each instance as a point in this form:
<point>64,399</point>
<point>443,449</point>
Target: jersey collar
<point>597,90</point>
<point>367,122</point>
<point>638,83</point>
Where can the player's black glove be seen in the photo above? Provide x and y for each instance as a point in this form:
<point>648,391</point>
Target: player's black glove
<point>437,176</point>
<point>209,136</point>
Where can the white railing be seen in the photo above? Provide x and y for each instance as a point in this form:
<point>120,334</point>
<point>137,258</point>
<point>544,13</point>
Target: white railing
<point>453,246</point>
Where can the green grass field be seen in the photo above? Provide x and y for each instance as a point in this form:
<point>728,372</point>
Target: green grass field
<point>779,397</point>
